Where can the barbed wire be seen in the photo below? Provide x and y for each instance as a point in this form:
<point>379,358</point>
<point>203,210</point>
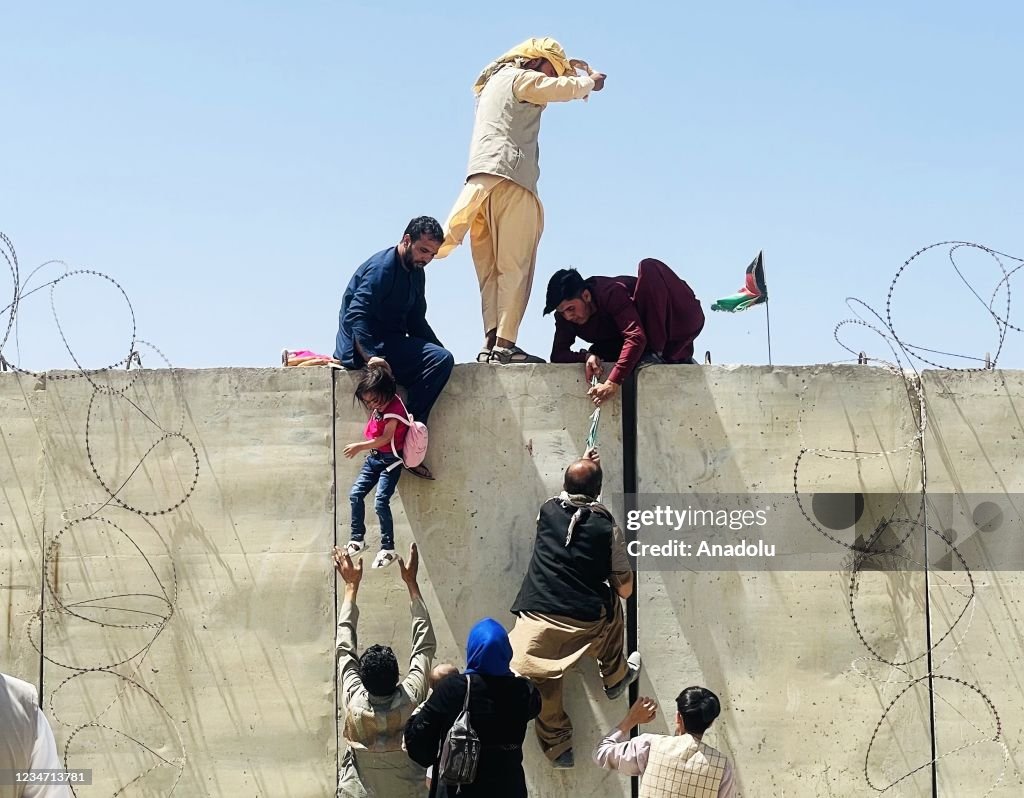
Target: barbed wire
<point>87,523</point>
<point>909,528</point>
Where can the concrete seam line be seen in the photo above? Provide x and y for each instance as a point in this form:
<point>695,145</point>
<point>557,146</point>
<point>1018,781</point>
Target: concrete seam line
<point>629,489</point>
<point>334,594</point>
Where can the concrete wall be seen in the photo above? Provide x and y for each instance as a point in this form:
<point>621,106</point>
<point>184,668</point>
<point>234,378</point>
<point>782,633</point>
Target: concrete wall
<point>207,631</point>
<point>976,423</point>
<point>190,648</point>
<point>778,646</point>
<point>22,415</point>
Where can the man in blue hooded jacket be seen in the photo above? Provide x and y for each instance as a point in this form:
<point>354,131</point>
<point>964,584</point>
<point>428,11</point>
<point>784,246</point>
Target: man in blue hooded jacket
<point>383,319</point>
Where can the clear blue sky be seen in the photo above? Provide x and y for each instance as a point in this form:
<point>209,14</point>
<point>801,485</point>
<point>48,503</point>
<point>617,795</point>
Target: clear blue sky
<point>231,163</point>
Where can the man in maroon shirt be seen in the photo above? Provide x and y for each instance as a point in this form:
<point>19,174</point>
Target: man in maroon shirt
<point>653,316</point>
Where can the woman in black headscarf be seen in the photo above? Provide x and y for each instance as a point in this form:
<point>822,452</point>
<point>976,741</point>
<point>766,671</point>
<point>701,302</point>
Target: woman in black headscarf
<point>500,706</point>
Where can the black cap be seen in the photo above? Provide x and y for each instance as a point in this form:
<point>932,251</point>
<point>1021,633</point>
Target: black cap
<point>564,284</point>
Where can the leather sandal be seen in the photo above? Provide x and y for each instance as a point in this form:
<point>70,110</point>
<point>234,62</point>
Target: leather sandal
<point>420,471</point>
<point>512,355</point>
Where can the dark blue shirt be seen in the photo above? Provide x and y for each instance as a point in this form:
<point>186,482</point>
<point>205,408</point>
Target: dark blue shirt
<point>383,299</point>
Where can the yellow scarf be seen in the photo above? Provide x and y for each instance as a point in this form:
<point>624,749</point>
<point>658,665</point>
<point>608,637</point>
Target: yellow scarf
<point>546,48</point>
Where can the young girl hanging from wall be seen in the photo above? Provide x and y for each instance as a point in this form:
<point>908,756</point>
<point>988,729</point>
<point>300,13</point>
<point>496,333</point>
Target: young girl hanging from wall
<point>382,467</point>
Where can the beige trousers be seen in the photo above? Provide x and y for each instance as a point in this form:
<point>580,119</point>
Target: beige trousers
<point>504,222</point>
<point>545,647</point>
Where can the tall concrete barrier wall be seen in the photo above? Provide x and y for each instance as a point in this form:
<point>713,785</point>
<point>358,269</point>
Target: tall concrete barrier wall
<point>186,630</point>
<point>22,410</point>
<point>972,443</point>
<point>778,646</point>
<point>183,628</point>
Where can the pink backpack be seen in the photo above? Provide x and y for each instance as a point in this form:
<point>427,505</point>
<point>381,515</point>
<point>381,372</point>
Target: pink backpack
<point>414,450</point>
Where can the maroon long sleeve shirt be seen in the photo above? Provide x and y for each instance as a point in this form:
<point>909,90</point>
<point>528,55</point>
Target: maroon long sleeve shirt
<point>656,310</point>
<point>614,331</point>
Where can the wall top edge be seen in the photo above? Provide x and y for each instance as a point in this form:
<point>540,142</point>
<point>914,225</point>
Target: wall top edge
<point>722,368</point>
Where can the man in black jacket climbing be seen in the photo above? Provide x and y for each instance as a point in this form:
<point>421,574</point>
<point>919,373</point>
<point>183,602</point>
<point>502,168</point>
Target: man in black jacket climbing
<point>570,602</point>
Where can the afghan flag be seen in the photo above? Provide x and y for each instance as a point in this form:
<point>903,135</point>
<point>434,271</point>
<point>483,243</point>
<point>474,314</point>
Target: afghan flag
<point>753,292</point>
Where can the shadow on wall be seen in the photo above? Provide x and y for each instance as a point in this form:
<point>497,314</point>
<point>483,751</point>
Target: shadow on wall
<point>743,633</point>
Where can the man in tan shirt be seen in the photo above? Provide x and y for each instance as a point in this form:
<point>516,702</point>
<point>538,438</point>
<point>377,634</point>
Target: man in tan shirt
<point>499,206</point>
<point>377,706</point>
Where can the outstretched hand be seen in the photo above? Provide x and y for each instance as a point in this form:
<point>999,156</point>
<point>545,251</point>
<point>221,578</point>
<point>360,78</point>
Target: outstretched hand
<point>350,573</point>
<point>643,711</point>
<point>410,571</point>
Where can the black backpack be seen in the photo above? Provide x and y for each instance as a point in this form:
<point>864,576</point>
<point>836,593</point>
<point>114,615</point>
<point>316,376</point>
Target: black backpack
<point>460,752</point>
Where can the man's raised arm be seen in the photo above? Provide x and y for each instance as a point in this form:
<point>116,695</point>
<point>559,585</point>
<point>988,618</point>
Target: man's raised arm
<point>424,644</point>
<point>348,618</point>
<point>539,89</point>
<point>621,577</point>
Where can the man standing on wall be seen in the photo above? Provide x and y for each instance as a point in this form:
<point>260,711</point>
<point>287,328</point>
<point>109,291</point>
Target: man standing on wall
<point>377,706</point>
<point>499,206</point>
<point>569,605</point>
<point>383,319</point>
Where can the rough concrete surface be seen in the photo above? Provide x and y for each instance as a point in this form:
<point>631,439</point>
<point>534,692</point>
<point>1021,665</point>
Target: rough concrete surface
<point>973,445</point>
<point>779,647</point>
<point>193,645</point>
<point>22,413</point>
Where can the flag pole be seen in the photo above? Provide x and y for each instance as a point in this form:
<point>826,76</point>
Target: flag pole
<point>767,312</point>
<point>754,291</point>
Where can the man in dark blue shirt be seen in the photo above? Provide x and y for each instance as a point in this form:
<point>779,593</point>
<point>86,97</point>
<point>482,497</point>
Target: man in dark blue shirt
<point>383,319</point>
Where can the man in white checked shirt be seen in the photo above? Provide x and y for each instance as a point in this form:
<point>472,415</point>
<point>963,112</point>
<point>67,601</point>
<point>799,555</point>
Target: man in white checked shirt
<point>680,766</point>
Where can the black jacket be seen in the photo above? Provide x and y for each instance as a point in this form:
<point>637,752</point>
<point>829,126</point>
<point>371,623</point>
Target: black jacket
<point>499,709</point>
<point>569,580</point>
